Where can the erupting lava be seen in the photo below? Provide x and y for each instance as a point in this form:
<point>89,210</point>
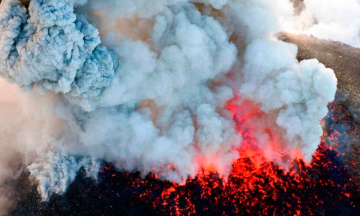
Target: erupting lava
<point>256,185</point>
<point>271,148</point>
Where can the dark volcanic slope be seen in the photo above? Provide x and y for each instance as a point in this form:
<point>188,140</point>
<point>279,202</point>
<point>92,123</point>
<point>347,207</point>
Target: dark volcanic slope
<point>343,59</point>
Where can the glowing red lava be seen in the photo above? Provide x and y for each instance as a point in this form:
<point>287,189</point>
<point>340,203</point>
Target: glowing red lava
<point>329,185</point>
<point>249,121</point>
<point>256,185</point>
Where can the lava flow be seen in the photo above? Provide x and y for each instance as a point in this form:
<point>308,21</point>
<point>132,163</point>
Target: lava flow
<point>256,185</point>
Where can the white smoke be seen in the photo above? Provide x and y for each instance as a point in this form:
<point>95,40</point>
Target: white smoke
<point>297,93</point>
<point>28,126</point>
<point>336,20</point>
<point>157,101</point>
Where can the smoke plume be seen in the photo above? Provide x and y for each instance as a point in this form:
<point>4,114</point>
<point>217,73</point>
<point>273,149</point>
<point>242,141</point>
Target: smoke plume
<point>146,85</point>
<point>332,20</point>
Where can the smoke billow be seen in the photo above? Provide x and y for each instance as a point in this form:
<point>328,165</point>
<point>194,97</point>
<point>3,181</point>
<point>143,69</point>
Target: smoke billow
<point>331,20</point>
<point>29,124</point>
<point>152,93</point>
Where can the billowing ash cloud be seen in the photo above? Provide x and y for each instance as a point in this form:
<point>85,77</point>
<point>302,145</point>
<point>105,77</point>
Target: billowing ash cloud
<point>53,49</point>
<point>154,97</point>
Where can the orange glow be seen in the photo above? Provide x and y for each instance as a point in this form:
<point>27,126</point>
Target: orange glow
<point>272,148</point>
<point>256,185</point>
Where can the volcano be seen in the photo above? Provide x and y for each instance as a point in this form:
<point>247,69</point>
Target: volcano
<point>190,107</point>
<point>329,185</point>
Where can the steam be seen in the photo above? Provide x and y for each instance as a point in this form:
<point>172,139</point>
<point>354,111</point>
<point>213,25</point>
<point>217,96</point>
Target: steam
<point>331,20</point>
<point>153,96</point>
<point>297,93</point>
<point>29,124</point>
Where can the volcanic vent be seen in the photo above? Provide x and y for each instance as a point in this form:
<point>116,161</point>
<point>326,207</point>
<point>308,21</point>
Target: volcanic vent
<point>329,185</point>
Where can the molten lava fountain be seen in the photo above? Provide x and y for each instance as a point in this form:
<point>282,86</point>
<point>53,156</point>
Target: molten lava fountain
<point>328,185</point>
